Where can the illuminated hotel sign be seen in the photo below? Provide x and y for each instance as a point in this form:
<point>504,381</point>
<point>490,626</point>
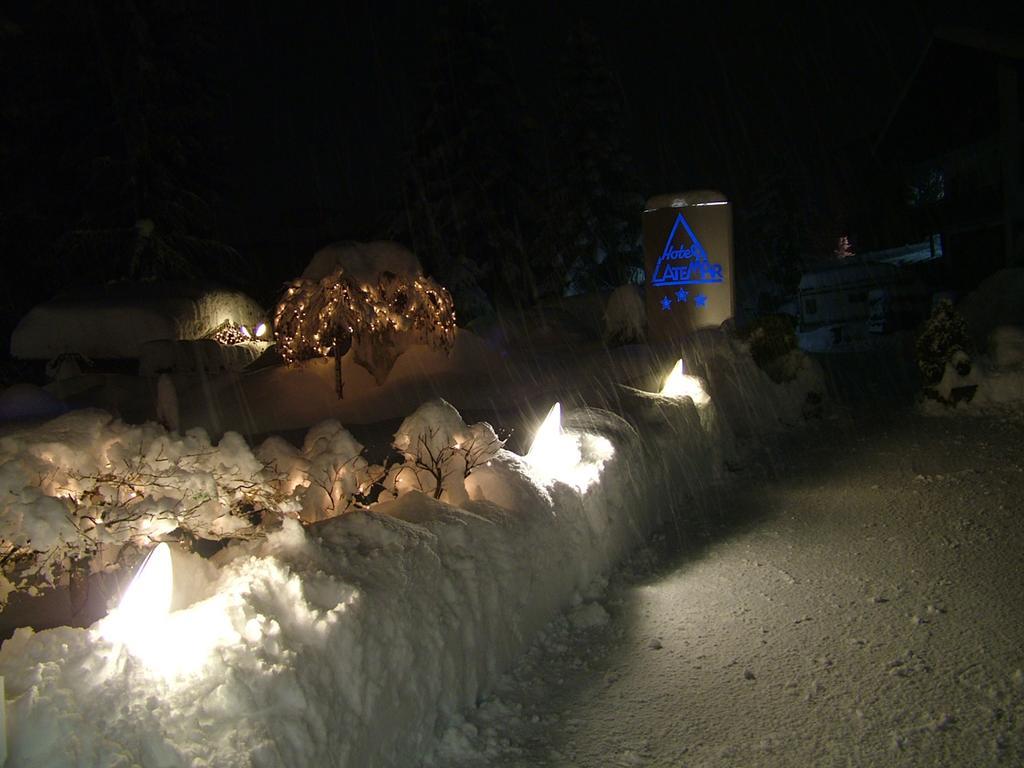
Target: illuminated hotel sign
<point>684,262</point>
<point>688,244</point>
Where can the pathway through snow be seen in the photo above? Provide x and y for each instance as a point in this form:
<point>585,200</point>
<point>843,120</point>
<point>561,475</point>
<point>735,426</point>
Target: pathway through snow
<point>856,601</point>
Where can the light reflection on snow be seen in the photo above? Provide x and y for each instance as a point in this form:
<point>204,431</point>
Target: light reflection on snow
<point>168,643</point>
<point>174,645</point>
<point>575,459</point>
<point>679,384</point>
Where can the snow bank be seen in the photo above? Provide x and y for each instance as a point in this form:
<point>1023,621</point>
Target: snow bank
<point>351,643</point>
<point>280,398</point>
<point>745,396</point>
<point>115,320</point>
<point>996,301</point>
<point>479,376</point>
<point>1006,347</point>
<point>994,380</point>
<point>356,640</point>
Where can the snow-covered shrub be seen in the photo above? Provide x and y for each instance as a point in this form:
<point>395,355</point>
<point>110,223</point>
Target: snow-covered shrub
<point>327,477</point>
<point>337,471</point>
<point>771,337</point>
<point>439,452</point>
<point>944,333</point>
<point>86,484</point>
<point>625,317</point>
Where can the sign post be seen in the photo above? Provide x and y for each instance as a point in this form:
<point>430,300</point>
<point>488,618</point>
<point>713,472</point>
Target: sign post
<point>689,259</point>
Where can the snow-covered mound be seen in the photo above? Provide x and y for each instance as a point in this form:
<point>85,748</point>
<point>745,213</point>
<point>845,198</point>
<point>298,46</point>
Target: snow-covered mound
<point>484,374</point>
<point>85,485</point>
<point>280,398</point>
<point>996,301</point>
<point>363,262</point>
<point>199,356</point>
<point>1006,347</point>
<point>116,320</point>
<point>625,317</point>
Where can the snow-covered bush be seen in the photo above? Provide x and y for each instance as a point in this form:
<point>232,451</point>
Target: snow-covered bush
<point>87,491</point>
<point>439,452</point>
<point>337,472</point>
<point>944,334</point>
<point>771,338</point>
<point>625,317</point>
<point>326,478</point>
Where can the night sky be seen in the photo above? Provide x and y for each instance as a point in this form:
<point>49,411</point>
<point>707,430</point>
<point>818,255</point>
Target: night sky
<point>309,113</point>
<point>324,102</point>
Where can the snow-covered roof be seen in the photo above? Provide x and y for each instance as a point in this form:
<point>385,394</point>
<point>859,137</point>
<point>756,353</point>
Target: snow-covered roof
<point>685,199</point>
<point>846,275</point>
<point>115,320</point>
<point>911,253</point>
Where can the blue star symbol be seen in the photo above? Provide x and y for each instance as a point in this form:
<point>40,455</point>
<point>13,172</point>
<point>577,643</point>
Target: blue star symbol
<point>666,303</point>
<point>702,300</point>
<point>681,294</point>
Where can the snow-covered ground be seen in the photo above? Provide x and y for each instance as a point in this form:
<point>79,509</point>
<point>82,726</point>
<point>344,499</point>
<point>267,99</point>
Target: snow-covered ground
<point>857,600</point>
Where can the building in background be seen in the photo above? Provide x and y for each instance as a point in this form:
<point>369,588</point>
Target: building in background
<point>956,134</point>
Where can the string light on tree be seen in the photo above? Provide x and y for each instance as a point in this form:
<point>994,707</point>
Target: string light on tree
<point>330,316</point>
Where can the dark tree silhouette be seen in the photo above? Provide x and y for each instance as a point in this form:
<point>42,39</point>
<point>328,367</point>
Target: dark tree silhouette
<point>112,139</point>
<point>462,197</point>
<point>595,195</point>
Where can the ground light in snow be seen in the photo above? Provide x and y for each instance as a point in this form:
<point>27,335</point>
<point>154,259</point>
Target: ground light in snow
<point>142,612</point>
<point>169,643</point>
<point>575,459</point>
<point>679,384</point>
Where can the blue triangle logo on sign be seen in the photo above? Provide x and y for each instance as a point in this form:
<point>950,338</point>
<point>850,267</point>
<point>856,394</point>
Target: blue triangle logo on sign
<point>684,260</point>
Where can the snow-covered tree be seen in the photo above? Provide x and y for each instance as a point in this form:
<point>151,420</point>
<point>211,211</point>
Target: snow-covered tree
<point>377,320</point>
<point>465,195</point>
<point>111,138</point>
<point>944,334</point>
<point>593,198</point>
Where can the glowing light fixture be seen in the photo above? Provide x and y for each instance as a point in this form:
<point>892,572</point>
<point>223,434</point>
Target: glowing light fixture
<point>679,384</point>
<point>144,607</point>
<point>261,330</point>
<point>547,443</point>
<point>148,597</point>
<point>574,459</point>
